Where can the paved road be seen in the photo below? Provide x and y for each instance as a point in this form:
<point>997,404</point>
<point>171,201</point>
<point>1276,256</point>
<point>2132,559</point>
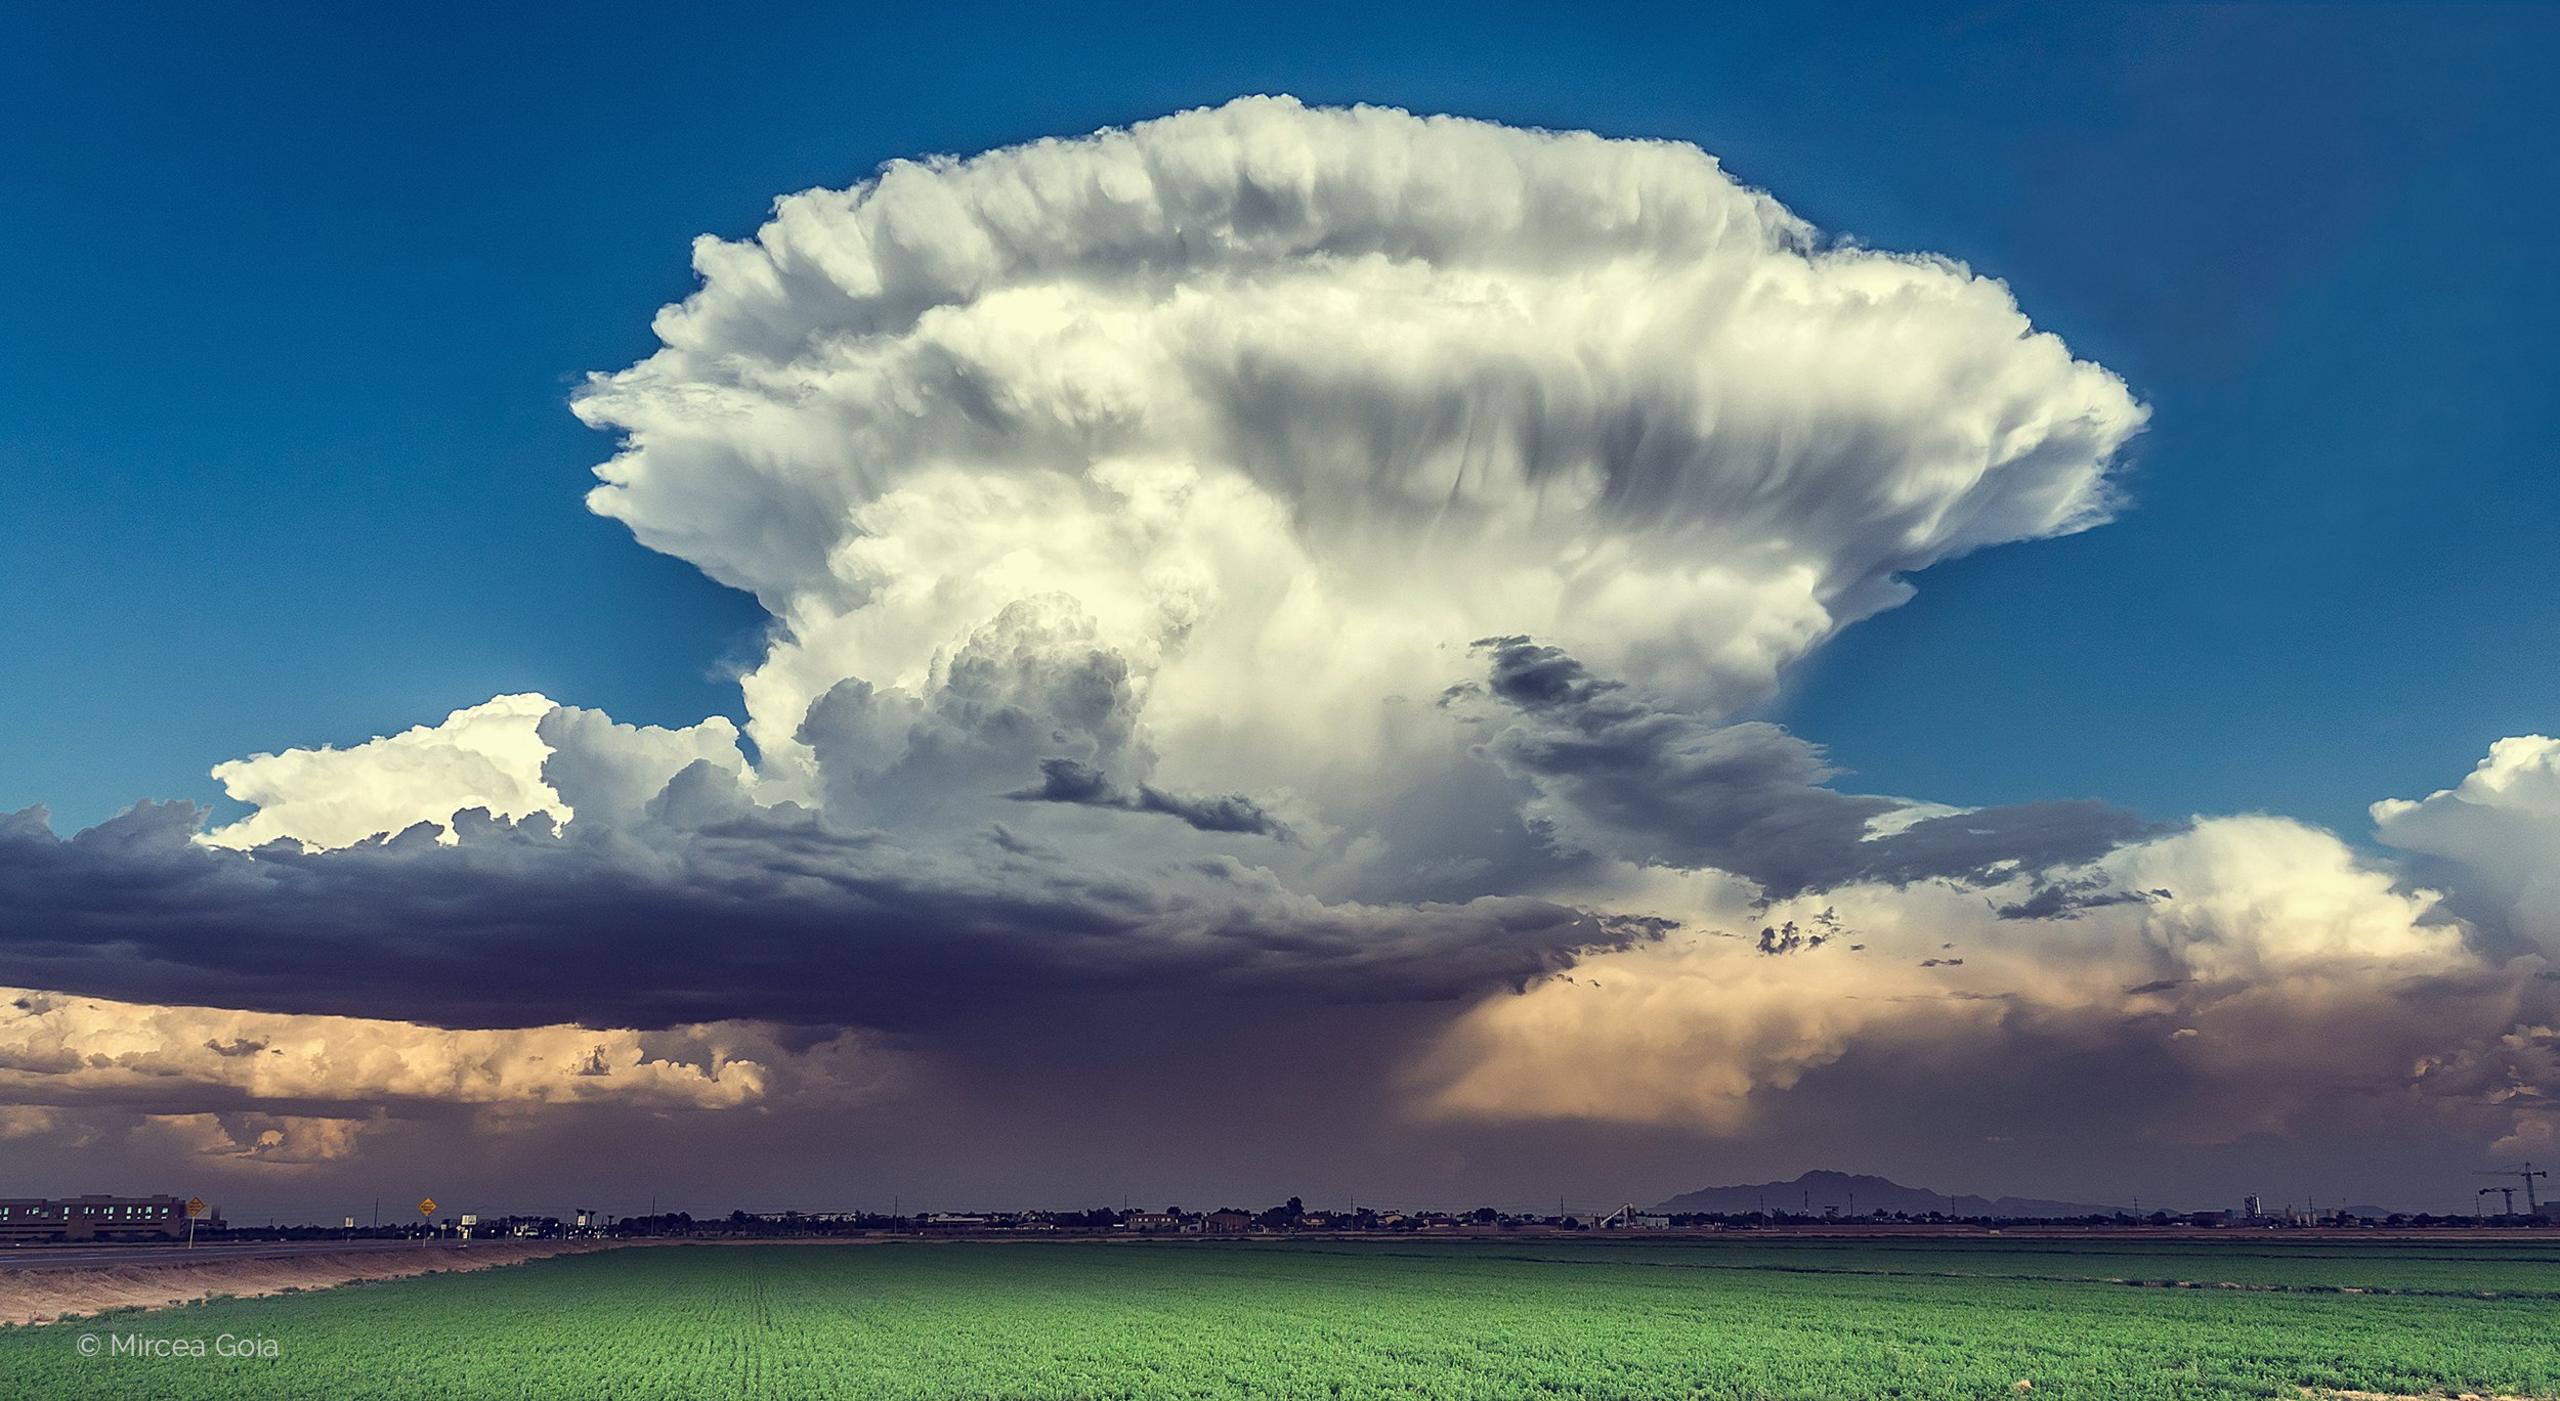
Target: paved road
<point>90,1257</point>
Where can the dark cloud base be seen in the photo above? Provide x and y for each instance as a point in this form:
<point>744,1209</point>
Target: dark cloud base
<point>761,913</point>
<point>1674,789</point>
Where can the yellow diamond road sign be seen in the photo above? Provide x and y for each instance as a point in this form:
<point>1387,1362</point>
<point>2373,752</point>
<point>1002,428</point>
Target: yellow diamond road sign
<point>195,1206</point>
<point>427,1207</point>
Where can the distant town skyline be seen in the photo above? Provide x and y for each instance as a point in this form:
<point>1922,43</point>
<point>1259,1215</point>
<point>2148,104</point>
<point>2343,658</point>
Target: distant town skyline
<point>1601,609</point>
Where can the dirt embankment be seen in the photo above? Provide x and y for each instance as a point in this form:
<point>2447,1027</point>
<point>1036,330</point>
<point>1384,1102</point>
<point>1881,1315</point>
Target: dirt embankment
<point>46,1295</point>
<point>2333,1394</point>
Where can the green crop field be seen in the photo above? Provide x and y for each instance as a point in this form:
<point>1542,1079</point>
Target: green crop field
<point>1740,1319</point>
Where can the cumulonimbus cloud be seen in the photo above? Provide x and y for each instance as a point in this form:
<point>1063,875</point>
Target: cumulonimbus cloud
<point>1169,473</point>
<point>1299,555</point>
<point>1294,403</point>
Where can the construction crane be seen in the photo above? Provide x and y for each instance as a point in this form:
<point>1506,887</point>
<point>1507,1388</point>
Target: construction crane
<point>2528,1172</point>
<point>2507,1192</point>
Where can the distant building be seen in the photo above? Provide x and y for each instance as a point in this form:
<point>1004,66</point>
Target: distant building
<point>93,1218</point>
<point>1627,1218</point>
<point>1227,1223</point>
<point>1154,1221</point>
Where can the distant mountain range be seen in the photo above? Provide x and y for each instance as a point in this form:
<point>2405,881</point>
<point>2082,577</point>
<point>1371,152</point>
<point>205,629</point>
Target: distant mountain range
<point>1856,1194</point>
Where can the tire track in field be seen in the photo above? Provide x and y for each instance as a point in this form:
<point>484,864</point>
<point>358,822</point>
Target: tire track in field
<point>2241,1286</point>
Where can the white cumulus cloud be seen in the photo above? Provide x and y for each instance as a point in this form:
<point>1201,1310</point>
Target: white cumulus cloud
<point>481,756</point>
<point>2497,832</point>
<point>2267,975</point>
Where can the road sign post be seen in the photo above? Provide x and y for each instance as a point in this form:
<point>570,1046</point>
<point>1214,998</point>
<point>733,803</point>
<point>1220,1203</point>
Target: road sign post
<point>427,1211</point>
<point>195,1208</point>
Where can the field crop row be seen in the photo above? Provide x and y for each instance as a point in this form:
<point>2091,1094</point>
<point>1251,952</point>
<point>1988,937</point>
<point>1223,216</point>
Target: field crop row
<point>1457,1321</point>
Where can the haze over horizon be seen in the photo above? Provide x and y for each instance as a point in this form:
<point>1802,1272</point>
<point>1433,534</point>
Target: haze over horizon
<point>1287,646</point>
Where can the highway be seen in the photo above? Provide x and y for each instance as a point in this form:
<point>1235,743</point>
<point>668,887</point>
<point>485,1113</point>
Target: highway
<point>90,1257</point>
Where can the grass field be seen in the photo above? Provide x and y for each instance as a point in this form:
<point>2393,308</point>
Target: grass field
<point>1491,1319</point>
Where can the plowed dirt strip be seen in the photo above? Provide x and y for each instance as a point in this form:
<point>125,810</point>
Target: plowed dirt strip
<point>44,1296</point>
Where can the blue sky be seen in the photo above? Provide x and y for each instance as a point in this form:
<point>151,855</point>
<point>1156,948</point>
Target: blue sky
<point>284,455</point>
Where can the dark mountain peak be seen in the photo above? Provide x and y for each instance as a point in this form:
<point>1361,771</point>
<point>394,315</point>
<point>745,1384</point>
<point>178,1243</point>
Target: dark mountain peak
<point>1820,1176</point>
